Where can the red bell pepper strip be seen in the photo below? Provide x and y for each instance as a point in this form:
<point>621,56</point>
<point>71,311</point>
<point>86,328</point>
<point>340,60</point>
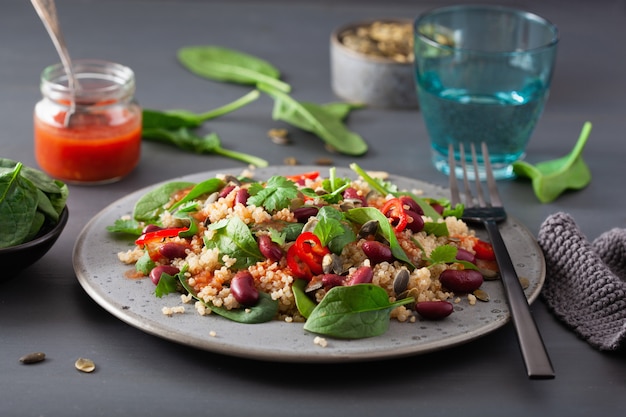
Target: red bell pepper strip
<point>305,256</point>
<point>484,250</point>
<point>159,234</point>
<point>394,209</point>
<point>300,178</point>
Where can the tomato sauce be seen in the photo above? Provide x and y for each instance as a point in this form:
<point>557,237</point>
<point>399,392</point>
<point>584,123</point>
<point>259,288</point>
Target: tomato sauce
<point>94,151</point>
<point>102,141</point>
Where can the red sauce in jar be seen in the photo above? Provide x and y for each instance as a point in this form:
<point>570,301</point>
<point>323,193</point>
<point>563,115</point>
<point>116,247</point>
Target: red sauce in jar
<point>102,143</point>
<point>93,151</point>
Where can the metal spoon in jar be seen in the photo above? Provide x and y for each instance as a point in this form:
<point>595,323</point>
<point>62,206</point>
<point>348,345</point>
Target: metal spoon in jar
<point>46,10</point>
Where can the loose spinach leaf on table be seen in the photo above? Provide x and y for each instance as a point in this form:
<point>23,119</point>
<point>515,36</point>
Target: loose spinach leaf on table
<point>353,312</point>
<point>185,139</point>
<point>228,65</point>
<point>175,119</point>
<point>316,119</point>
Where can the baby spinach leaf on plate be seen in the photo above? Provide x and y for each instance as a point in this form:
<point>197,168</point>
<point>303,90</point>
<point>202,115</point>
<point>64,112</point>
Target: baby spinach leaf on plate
<point>316,119</point>
<point>205,187</point>
<point>353,312</point>
<point>150,205</point>
<point>551,178</point>
<point>223,64</point>
<point>264,311</point>
<point>233,238</point>
<point>303,301</point>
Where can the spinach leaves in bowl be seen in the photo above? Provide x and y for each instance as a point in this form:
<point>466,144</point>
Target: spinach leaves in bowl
<point>30,202</point>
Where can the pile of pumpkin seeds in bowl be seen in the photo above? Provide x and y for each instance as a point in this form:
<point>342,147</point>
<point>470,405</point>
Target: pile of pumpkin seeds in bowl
<point>384,39</point>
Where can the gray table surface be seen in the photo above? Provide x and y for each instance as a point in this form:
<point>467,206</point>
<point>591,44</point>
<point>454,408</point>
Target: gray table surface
<point>45,308</point>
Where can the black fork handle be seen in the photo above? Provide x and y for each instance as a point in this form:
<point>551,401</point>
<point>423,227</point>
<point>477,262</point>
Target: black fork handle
<point>536,359</point>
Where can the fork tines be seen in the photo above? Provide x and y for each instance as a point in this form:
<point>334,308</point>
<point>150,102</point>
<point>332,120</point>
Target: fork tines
<point>491,183</point>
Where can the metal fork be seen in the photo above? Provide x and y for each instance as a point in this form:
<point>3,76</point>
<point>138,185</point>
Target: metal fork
<point>489,214</point>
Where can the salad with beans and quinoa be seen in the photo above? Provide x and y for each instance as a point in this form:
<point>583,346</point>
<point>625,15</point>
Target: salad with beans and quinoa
<point>343,256</point>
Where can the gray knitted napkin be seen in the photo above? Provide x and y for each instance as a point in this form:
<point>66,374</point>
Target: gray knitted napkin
<point>586,281</point>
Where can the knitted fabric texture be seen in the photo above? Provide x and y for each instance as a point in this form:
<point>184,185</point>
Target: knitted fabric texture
<point>586,281</point>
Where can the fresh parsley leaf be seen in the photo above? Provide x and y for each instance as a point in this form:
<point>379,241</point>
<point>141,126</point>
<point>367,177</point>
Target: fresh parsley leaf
<point>167,284</point>
<point>129,226</point>
<point>277,194</point>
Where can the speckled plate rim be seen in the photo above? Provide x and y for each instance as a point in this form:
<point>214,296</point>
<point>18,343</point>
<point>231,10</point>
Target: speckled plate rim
<point>103,278</point>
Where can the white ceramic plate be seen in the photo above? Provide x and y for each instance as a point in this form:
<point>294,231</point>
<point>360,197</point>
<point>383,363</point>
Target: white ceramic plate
<point>133,300</point>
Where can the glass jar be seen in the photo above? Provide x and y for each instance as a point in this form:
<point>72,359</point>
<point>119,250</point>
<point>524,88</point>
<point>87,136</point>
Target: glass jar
<point>101,142</point>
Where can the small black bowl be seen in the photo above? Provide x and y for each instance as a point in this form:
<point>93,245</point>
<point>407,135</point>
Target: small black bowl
<point>16,258</point>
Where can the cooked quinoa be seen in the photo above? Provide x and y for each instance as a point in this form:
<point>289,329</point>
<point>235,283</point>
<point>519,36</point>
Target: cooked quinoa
<point>210,272</point>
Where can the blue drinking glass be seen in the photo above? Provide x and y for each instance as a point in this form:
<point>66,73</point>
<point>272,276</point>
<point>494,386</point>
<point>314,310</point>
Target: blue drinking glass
<point>482,75</point>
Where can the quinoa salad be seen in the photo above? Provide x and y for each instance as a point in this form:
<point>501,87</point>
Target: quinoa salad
<point>343,255</point>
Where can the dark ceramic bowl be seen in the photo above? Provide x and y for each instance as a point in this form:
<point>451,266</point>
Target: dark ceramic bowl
<point>16,258</point>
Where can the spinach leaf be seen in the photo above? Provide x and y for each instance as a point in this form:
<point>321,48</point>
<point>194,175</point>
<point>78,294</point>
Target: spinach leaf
<point>225,64</point>
<point>384,189</point>
<point>175,119</point>
<point>233,238</point>
<point>341,109</point>
<point>18,205</point>
<point>551,178</point>
<point>353,312</point>
<point>264,311</point>
<point>303,301</point>
<point>276,194</point>
<point>150,205</point>
<point>333,230</point>
<point>316,119</point>
<point>185,139</point>
<point>363,214</point>
<point>205,187</point>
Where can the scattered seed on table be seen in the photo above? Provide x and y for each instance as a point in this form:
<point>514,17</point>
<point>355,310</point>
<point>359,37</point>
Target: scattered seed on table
<point>85,365</point>
<point>279,136</point>
<point>33,357</point>
<point>290,160</point>
<point>323,161</point>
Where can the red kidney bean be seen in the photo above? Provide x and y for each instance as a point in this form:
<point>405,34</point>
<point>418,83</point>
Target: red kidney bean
<point>462,281</point>
<point>465,255</point>
<point>303,213</point>
<point>411,204</point>
<point>362,275</point>
<point>438,207</point>
<point>173,250</point>
<point>434,310</point>
<point>271,250</point>
<point>242,196</point>
<point>243,289</point>
<point>151,228</point>
<point>352,193</point>
<point>155,273</point>
<point>332,280</point>
<point>416,224</point>
<point>226,190</point>
<point>377,252</point>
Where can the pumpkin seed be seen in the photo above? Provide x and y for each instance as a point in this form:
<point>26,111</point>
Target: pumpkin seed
<point>85,365</point>
<point>324,161</point>
<point>481,295</point>
<point>33,357</point>
<point>279,136</point>
<point>290,160</point>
